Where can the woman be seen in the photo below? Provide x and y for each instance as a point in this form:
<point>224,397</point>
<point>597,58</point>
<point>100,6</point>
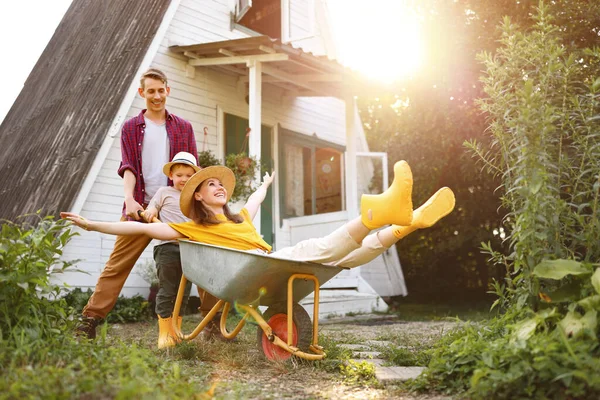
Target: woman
<point>204,200</point>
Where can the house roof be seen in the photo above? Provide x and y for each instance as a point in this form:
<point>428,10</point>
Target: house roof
<point>52,133</point>
<point>302,73</point>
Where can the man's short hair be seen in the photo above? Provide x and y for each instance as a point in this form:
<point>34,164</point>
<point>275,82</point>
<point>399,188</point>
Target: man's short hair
<point>153,73</point>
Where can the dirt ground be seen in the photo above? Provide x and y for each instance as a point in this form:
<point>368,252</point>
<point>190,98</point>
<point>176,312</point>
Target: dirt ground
<point>238,369</point>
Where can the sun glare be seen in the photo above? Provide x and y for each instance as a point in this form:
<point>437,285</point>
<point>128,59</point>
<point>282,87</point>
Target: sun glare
<point>380,38</point>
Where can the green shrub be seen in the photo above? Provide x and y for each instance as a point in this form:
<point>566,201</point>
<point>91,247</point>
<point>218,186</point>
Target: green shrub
<point>496,360</point>
<point>126,309</point>
<point>32,315</point>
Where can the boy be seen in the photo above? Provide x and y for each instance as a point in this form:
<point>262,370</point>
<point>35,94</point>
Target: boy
<point>166,255</point>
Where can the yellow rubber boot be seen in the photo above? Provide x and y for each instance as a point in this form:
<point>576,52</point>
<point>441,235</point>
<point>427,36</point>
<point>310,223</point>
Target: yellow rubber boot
<point>165,338</point>
<point>437,207</point>
<point>394,206</point>
<point>173,332</point>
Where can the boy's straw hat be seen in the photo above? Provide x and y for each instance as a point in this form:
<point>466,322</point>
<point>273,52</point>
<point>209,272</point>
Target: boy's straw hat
<point>183,157</point>
<point>224,174</point>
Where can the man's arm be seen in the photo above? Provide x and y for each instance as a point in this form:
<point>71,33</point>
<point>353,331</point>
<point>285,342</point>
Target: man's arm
<point>131,206</point>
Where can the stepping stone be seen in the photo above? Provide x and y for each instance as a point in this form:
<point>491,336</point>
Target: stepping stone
<point>380,343</point>
<point>391,374</point>
<point>357,347</point>
<point>366,355</point>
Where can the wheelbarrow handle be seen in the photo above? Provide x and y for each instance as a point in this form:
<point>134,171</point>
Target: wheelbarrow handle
<point>141,215</point>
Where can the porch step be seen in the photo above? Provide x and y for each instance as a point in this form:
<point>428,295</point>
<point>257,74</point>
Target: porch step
<point>339,303</point>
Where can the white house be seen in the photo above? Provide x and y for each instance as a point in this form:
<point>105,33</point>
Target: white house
<point>232,64</point>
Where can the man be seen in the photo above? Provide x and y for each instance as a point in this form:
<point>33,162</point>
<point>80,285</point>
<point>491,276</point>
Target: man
<point>148,141</point>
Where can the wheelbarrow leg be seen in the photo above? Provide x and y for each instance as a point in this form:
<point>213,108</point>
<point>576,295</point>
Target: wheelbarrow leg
<point>204,320</point>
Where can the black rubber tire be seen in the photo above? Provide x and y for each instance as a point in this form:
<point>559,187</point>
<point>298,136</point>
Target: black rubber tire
<point>301,319</point>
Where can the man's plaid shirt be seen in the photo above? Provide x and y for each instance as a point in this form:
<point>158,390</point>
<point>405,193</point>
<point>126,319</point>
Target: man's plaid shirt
<point>181,138</point>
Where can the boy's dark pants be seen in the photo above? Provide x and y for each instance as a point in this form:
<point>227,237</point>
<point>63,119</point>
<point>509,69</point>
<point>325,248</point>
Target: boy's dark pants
<point>168,265</point>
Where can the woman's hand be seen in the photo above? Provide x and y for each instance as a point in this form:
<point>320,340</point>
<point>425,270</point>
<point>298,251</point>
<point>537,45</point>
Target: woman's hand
<point>76,219</point>
<point>268,179</point>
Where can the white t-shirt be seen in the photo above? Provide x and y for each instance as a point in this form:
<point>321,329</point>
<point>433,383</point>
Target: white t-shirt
<point>155,154</point>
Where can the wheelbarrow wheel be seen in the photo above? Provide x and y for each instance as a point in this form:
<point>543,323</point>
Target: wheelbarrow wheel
<point>276,317</point>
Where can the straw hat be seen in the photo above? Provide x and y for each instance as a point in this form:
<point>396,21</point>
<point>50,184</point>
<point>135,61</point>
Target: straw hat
<point>182,157</point>
<point>224,174</point>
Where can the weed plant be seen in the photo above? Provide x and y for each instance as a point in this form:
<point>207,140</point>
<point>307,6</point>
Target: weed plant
<point>543,110</point>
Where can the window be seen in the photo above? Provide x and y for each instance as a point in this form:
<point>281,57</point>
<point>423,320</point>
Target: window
<point>241,8</point>
<point>262,16</point>
<point>286,20</point>
<point>312,176</point>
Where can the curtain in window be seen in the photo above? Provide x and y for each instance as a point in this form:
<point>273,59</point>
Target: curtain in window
<point>294,181</point>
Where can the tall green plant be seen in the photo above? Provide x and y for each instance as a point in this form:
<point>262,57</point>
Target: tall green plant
<point>31,314</point>
<point>540,106</point>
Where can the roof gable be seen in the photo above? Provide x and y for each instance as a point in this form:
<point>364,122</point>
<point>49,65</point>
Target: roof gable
<point>52,133</point>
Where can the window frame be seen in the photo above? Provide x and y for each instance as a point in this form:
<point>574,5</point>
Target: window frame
<point>286,19</point>
<point>287,136</point>
<point>285,34</point>
<point>241,9</point>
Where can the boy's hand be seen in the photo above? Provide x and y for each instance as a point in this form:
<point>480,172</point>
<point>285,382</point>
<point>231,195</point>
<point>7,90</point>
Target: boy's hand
<point>132,207</point>
<point>150,213</point>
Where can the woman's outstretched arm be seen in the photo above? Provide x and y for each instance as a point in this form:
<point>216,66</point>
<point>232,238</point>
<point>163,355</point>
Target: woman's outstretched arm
<point>159,231</point>
<point>256,198</point>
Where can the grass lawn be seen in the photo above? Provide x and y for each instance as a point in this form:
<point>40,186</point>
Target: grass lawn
<point>125,363</point>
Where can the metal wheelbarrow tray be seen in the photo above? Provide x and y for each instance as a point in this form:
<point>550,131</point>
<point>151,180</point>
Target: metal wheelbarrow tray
<point>248,280</point>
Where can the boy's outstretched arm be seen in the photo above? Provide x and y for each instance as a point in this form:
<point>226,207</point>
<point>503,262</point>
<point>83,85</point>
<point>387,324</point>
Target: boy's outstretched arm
<point>159,231</point>
<point>256,198</point>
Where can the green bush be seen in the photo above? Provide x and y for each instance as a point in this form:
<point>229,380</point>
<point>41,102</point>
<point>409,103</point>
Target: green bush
<point>32,315</point>
<point>126,309</point>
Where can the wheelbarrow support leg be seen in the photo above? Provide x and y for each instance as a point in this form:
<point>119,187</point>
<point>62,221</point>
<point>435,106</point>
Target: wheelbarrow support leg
<point>202,323</point>
<point>290,306</point>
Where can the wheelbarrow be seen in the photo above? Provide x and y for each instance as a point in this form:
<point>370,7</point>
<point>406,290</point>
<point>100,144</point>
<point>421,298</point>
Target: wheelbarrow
<point>250,280</point>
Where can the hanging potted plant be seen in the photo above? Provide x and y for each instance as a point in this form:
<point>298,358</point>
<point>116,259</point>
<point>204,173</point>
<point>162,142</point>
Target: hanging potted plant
<point>244,168</point>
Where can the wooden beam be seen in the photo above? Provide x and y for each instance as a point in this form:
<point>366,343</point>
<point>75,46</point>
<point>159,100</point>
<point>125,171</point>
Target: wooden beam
<point>284,76</point>
<point>189,54</point>
<point>307,78</point>
<point>227,53</point>
<point>237,59</point>
<point>266,49</point>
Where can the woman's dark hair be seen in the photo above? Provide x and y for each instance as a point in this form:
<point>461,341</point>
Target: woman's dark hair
<point>203,216</point>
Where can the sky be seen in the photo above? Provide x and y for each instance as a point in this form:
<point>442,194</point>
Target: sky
<point>27,27</point>
<point>384,44</point>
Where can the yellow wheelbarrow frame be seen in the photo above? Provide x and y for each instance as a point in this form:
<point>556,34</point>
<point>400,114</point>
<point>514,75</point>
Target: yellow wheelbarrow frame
<point>249,280</point>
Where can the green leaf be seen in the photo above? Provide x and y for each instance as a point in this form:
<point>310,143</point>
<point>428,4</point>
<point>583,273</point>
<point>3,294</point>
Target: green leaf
<point>558,269</point>
<point>573,324</point>
<point>596,85</point>
<point>568,292</point>
<point>596,280</point>
<point>524,329</point>
<point>590,303</point>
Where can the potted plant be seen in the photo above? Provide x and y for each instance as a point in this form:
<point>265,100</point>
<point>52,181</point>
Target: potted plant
<point>244,168</point>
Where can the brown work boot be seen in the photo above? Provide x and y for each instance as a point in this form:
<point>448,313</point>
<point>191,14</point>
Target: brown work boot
<point>87,328</point>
